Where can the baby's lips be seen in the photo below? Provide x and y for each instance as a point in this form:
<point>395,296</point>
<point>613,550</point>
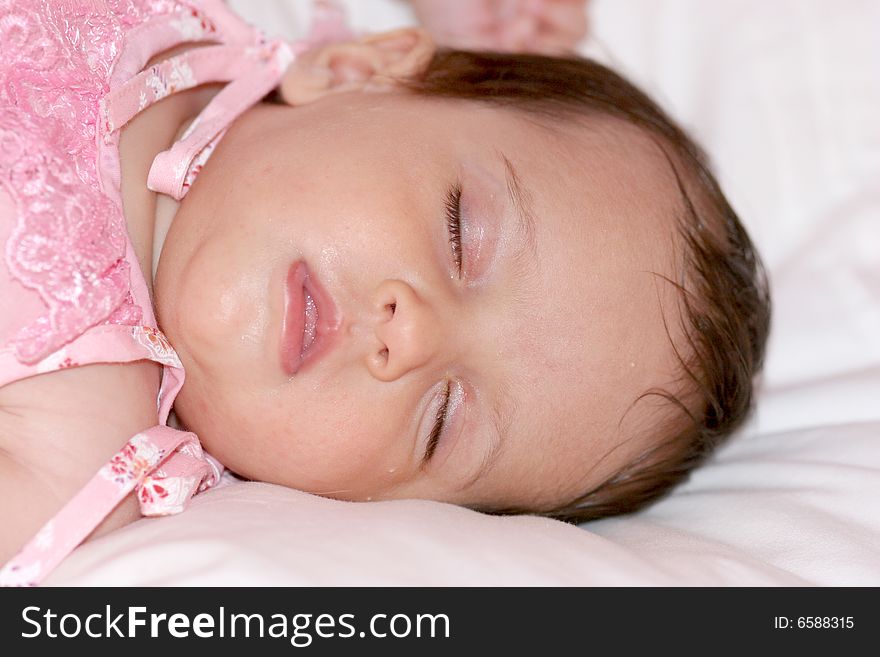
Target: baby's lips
<point>293,321</point>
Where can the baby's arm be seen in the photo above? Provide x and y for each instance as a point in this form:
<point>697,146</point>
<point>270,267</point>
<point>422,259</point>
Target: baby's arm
<point>56,431</point>
<point>550,27</point>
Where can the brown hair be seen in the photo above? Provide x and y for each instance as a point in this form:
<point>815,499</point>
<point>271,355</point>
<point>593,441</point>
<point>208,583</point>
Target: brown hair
<point>724,299</point>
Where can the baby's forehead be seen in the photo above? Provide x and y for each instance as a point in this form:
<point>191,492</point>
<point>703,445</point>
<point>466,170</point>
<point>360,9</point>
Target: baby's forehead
<point>601,178</point>
<point>614,155</point>
<point>605,208</point>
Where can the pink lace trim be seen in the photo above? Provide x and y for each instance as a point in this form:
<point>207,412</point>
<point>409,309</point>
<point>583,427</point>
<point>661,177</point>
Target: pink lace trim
<point>69,242</point>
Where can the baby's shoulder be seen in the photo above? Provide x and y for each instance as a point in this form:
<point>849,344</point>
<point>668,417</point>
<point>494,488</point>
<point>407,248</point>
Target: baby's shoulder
<point>84,414</point>
<point>89,410</point>
<point>57,430</point>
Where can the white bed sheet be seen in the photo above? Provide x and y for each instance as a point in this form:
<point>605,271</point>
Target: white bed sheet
<point>784,96</point>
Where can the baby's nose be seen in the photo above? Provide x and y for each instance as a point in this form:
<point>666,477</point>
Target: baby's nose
<point>407,331</point>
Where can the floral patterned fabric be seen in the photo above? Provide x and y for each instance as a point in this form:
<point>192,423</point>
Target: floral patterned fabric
<point>71,76</point>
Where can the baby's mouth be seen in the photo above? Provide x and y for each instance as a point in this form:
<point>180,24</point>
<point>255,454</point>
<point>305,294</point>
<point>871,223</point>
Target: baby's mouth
<point>311,322</point>
<point>310,319</point>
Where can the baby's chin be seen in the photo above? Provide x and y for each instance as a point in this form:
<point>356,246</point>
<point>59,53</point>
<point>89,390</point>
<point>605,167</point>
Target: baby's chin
<point>194,413</point>
<point>239,443</point>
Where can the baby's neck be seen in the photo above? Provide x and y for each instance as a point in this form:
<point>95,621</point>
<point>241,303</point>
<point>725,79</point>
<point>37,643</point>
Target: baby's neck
<point>149,215</point>
<point>163,216</point>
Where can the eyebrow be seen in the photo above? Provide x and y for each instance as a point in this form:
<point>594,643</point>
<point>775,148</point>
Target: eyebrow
<point>504,407</point>
<point>521,200</point>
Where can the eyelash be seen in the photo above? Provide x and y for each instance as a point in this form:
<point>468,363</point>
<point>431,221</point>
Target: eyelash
<point>437,429</point>
<point>453,226</point>
<point>453,223</point>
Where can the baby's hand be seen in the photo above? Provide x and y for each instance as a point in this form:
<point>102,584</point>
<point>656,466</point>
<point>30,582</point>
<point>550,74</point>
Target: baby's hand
<point>548,27</point>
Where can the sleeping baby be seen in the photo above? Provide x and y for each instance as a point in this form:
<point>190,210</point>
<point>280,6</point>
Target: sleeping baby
<point>368,268</point>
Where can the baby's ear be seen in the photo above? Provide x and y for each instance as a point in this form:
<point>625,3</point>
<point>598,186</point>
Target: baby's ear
<point>373,62</point>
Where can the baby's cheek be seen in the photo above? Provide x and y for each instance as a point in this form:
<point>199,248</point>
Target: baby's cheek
<point>299,450</point>
<point>350,453</point>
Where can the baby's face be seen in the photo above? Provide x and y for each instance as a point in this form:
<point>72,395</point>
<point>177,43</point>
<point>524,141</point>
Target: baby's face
<point>541,340</point>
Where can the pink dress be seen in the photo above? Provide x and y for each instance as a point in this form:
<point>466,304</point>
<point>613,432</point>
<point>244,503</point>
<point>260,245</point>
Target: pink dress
<point>71,289</point>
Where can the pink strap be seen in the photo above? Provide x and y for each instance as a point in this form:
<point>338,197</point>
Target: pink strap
<point>164,485</point>
<point>170,169</point>
<point>199,65</point>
